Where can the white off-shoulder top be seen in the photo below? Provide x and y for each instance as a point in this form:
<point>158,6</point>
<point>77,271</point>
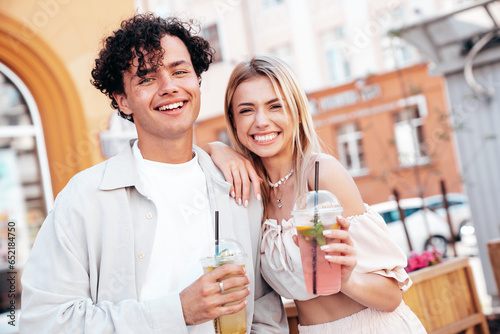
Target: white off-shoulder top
<point>376,253</point>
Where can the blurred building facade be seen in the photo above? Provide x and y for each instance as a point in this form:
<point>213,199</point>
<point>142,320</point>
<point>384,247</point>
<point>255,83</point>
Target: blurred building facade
<point>53,123</point>
<point>336,48</point>
<point>327,42</point>
<point>389,130</point>
<point>50,115</point>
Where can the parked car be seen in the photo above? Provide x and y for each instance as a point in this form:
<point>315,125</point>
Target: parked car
<point>425,227</point>
<point>459,210</point>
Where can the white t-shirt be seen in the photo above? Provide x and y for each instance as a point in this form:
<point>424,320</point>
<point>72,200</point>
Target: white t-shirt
<point>184,232</point>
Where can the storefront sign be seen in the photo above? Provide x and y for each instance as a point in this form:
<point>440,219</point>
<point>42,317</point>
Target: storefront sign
<point>350,97</point>
<point>416,100</point>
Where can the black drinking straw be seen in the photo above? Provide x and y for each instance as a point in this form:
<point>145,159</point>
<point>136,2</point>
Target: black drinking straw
<point>315,244</point>
<point>316,186</point>
<point>216,233</point>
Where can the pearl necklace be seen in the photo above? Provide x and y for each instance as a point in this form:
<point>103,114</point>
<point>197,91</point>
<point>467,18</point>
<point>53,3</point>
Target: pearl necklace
<point>277,184</point>
<point>282,180</point>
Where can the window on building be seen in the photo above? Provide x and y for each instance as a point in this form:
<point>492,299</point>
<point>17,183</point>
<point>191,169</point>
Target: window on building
<point>211,34</point>
<point>270,3</point>
<point>283,52</point>
<point>25,185</point>
<point>397,53</point>
<point>409,136</point>
<point>337,63</point>
<point>350,148</point>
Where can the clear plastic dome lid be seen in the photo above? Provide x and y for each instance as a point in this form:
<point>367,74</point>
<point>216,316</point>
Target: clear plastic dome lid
<point>317,201</point>
<point>228,251</point>
<point>230,247</point>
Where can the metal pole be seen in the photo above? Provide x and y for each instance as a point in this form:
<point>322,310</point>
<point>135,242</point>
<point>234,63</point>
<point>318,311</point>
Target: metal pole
<point>402,218</point>
<point>448,217</point>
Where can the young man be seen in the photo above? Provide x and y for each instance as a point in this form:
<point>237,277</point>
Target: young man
<point>120,251</point>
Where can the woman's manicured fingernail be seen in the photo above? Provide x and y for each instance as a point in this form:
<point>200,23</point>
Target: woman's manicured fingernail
<point>339,217</point>
<point>233,194</point>
<point>246,203</point>
<point>327,232</point>
<point>324,247</point>
<point>328,257</point>
<point>259,198</point>
<point>239,201</point>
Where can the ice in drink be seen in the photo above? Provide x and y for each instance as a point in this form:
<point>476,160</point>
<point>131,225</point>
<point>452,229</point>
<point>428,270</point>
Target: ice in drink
<point>313,213</point>
<point>235,323</point>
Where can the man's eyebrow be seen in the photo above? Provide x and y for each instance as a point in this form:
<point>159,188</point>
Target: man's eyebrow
<point>178,63</point>
<point>149,70</point>
<point>144,72</point>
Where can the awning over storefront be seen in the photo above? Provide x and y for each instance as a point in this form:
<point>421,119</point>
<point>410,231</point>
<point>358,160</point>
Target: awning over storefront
<point>456,41</point>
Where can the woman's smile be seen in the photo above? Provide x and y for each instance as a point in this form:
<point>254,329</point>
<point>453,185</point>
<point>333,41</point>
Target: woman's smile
<point>265,139</point>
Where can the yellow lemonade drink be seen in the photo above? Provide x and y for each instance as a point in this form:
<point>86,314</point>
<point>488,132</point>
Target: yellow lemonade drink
<point>235,323</point>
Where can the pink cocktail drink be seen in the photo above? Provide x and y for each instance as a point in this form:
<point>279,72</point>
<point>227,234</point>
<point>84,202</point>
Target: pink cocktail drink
<point>313,213</point>
<point>321,276</point>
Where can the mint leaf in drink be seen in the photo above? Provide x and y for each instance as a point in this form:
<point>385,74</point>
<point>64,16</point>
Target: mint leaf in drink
<point>309,233</point>
<point>224,253</point>
<point>316,232</point>
<point>320,238</point>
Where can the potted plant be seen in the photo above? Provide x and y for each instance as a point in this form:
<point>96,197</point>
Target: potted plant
<point>443,294</point>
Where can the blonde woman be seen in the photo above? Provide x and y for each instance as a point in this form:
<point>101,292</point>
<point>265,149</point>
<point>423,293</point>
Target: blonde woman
<point>269,123</point>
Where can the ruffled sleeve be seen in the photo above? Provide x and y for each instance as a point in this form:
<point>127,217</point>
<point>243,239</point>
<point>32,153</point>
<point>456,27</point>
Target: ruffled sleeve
<point>376,251</point>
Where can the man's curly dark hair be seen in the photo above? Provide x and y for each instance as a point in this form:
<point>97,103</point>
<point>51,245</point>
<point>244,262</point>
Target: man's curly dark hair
<point>138,36</point>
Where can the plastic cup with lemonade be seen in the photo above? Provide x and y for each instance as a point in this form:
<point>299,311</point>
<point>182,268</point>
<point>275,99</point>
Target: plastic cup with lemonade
<point>231,252</point>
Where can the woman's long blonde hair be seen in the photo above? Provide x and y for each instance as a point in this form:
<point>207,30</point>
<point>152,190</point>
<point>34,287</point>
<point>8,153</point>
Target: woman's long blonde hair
<point>305,145</point>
